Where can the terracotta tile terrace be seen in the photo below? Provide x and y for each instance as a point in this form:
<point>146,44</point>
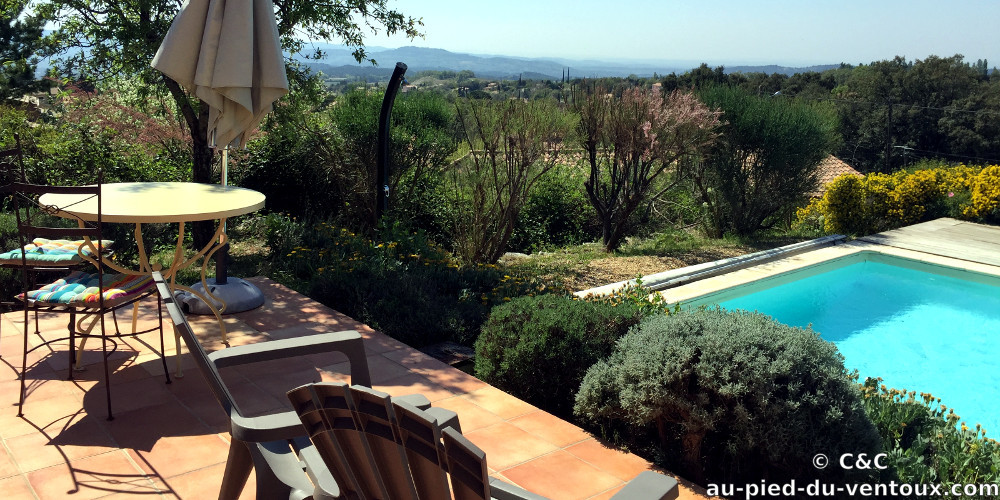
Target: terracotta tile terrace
<point>171,440</point>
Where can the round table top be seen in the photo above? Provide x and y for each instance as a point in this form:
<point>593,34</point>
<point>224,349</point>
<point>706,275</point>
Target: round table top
<point>146,202</point>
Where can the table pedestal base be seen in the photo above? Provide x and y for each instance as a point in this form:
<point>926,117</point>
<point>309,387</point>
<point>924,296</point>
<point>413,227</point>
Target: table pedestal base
<point>239,295</point>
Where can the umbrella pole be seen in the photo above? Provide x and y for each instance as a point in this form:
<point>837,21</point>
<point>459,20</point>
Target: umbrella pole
<point>238,294</point>
<point>222,257</point>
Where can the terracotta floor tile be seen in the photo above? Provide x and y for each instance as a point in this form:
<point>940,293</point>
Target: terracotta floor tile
<point>383,369</point>
<point>7,466</point>
<point>607,494</point>
<point>436,370</point>
<point>172,440</point>
<point>204,483</point>
<point>16,488</point>
<point>549,428</point>
<point>91,477</point>
<point>561,475</point>
<point>39,415</point>
<point>278,383</point>
<point>38,389</point>
<point>252,400</point>
<point>412,383</point>
<point>173,456</point>
<point>82,438</point>
<point>499,402</point>
<point>298,330</point>
<point>470,415</point>
<point>194,395</point>
<point>506,445</point>
<point>624,466</point>
<point>377,343</point>
<point>141,429</point>
<point>126,396</point>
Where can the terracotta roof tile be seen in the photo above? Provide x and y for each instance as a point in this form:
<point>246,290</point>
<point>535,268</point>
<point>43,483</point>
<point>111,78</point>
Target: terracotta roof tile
<point>829,169</point>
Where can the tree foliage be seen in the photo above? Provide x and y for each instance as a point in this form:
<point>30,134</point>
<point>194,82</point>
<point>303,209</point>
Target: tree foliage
<point>632,139</point>
<point>765,161</point>
<point>892,112</point>
<point>513,143</point>
<point>20,42</point>
<point>118,38</point>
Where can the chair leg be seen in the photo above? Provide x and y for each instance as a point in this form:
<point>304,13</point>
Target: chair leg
<point>24,363</point>
<point>238,467</point>
<point>72,344</point>
<point>163,346</point>
<point>107,375</point>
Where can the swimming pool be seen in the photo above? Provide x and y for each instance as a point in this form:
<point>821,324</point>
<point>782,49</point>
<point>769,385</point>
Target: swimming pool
<point>920,326</point>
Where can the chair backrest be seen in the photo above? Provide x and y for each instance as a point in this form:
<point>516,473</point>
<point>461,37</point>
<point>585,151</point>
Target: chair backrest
<point>377,448</point>
<point>349,343</point>
<point>35,220</point>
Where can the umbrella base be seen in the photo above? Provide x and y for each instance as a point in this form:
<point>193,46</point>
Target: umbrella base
<point>239,295</point>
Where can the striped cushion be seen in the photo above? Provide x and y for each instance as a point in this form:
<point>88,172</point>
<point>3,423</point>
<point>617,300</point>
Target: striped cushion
<point>44,252</point>
<point>80,289</point>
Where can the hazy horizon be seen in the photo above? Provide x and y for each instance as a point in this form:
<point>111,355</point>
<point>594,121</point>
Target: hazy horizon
<point>778,32</point>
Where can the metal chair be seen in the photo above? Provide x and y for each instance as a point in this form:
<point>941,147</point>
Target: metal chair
<point>81,295</point>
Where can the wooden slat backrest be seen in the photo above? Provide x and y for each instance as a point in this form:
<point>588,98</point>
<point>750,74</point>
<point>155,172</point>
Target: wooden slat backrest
<point>467,464</point>
<point>339,440</point>
<point>420,437</point>
<point>380,449</point>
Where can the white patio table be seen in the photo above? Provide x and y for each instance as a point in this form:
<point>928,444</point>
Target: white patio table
<point>164,202</point>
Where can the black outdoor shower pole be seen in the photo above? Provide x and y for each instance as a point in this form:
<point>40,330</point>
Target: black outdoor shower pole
<point>382,153</point>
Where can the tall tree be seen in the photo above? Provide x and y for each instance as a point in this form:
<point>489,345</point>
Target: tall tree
<point>765,160</point>
<point>121,37</point>
<point>20,41</point>
<point>630,142</point>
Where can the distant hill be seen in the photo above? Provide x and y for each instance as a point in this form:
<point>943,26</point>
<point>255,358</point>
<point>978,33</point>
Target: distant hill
<point>340,63</point>
<point>418,59</point>
<point>780,69</point>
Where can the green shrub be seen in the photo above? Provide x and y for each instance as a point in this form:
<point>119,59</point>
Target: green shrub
<point>538,348</point>
<point>730,397</point>
<point>925,443</point>
<point>401,283</point>
<point>556,213</point>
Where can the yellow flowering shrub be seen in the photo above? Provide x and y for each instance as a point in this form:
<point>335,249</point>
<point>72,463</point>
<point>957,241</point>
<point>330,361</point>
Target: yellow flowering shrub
<point>913,193</point>
<point>879,202</point>
<point>811,216</point>
<point>985,188</point>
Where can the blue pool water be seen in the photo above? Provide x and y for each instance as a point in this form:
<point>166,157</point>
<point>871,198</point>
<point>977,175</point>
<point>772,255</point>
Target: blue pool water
<point>925,331</point>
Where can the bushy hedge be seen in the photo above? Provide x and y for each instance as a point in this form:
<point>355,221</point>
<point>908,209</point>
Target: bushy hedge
<point>878,202</point>
<point>538,348</point>
<point>730,397</point>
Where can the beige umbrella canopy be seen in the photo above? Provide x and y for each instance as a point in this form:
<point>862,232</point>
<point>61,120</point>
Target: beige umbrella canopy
<point>227,53</point>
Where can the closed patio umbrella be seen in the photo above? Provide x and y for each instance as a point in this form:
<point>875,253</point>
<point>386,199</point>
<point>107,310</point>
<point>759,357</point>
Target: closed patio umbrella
<point>228,54</point>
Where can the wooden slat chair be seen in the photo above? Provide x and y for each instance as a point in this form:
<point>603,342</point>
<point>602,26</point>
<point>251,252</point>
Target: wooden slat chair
<point>83,296</point>
<point>275,445</point>
<point>375,448</point>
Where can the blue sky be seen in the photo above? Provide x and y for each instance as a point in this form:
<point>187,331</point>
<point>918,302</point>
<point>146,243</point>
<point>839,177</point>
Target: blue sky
<point>713,31</point>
